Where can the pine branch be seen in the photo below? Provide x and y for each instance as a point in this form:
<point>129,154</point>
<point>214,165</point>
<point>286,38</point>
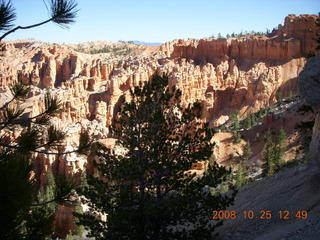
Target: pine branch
<point>21,27</point>
<point>19,91</point>
<point>63,12</point>
<point>7,15</point>
<point>10,114</point>
<point>51,201</point>
<point>42,203</point>
<point>62,192</point>
<point>56,153</point>
<point>52,107</point>
<point>29,143</point>
<point>7,104</point>
<point>17,147</point>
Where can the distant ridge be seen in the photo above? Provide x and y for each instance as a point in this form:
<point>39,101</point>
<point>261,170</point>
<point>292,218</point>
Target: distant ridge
<point>146,43</point>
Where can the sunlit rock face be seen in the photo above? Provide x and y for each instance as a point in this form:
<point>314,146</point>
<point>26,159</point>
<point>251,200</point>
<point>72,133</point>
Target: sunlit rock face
<point>224,74</point>
<point>243,74</point>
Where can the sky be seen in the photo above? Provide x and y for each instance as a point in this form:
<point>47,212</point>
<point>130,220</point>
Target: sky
<point>157,21</point>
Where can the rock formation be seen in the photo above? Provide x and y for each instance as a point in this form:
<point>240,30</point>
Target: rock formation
<point>244,73</point>
<point>224,74</point>
<point>309,86</point>
<point>294,39</point>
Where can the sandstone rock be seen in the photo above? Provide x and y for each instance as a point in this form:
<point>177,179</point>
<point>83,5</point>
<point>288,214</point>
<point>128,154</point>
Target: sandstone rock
<point>294,39</point>
<point>301,27</point>
<point>49,73</point>
<point>224,74</point>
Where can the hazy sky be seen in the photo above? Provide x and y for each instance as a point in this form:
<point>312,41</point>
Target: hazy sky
<point>158,21</point>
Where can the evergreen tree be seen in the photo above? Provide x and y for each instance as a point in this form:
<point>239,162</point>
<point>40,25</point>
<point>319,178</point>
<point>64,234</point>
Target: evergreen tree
<point>268,168</point>
<point>235,126</point>
<point>39,223</point>
<point>234,121</point>
<point>260,114</point>
<point>48,191</point>
<point>21,203</point>
<point>278,96</point>
<point>241,173</point>
<point>27,210</point>
<point>247,123</point>
<point>247,152</point>
<point>279,148</point>
<point>61,12</point>
<point>253,119</point>
<point>273,153</point>
<point>236,137</point>
<point>79,229</point>
<point>143,186</point>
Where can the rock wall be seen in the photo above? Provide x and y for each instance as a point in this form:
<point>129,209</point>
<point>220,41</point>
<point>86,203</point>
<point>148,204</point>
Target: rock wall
<point>303,28</point>
<point>224,74</point>
<point>294,39</point>
<point>216,50</point>
<point>309,86</point>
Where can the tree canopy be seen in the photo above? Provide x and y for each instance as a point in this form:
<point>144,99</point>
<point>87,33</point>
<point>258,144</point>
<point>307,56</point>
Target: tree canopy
<point>26,207</point>
<point>61,12</point>
<point>143,185</point>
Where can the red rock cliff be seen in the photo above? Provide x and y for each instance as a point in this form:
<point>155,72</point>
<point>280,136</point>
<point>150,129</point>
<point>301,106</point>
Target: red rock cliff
<point>225,74</point>
<point>294,39</point>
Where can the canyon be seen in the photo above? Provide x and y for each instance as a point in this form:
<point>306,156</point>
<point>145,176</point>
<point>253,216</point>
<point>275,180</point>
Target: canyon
<point>245,73</point>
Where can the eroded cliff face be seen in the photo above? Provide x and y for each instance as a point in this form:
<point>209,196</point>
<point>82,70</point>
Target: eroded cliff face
<point>293,39</point>
<point>224,74</point>
<point>302,28</point>
<point>216,50</point>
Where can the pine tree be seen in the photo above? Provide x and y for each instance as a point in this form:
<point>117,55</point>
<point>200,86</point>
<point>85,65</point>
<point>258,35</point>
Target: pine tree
<point>26,209</point>
<point>79,229</point>
<point>241,174</point>
<point>253,119</point>
<point>21,205</point>
<point>278,96</point>
<point>236,137</point>
<point>273,153</point>
<point>247,152</point>
<point>247,123</point>
<point>235,126</point>
<point>234,121</point>
<point>279,148</point>
<point>143,186</point>
<point>61,12</point>
<point>39,223</point>
<point>268,168</point>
